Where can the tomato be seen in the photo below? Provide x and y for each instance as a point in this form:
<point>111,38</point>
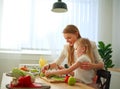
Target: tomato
<point>21,81</point>
<point>24,68</point>
<point>66,79</point>
<point>25,81</point>
<point>11,85</point>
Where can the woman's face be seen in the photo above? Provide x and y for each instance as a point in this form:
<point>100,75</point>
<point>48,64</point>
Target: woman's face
<point>70,38</point>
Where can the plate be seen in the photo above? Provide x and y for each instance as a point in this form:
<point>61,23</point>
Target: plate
<point>9,74</point>
<point>42,86</point>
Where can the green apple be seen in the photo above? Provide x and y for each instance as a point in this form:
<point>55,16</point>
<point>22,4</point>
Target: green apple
<point>71,80</point>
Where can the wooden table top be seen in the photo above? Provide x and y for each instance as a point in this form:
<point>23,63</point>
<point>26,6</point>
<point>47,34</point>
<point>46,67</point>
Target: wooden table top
<point>6,80</point>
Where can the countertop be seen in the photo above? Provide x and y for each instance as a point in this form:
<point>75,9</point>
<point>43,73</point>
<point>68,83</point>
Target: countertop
<point>6,80</point>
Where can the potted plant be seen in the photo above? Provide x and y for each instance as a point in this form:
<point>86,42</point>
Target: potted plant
<point>105,52</point>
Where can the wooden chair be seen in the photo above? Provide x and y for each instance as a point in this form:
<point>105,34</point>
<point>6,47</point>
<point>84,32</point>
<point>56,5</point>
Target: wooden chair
<point>103,79</point>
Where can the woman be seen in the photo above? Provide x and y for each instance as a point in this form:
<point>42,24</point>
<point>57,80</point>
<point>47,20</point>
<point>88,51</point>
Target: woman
<point>71,34</point>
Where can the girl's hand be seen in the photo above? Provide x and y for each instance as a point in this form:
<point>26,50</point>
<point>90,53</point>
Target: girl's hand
<point>47,73</point>
<point>44,68</point>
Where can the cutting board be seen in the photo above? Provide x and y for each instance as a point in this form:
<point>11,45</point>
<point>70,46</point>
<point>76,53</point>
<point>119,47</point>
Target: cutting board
<point>53,80</point>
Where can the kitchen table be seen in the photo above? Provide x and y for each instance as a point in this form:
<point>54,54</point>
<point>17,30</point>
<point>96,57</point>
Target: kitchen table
<point>6,80</point>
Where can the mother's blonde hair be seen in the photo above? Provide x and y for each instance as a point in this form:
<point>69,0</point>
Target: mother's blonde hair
<point>73,30</point>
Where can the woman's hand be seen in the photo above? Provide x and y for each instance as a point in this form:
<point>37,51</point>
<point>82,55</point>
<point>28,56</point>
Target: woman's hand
<point>87,65</point>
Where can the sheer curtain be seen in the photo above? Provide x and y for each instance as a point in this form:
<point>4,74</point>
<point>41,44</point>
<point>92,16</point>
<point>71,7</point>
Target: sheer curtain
<point>30,24</point>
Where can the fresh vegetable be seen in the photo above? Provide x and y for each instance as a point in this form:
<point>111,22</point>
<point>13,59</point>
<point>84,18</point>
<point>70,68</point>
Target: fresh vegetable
<point>42,62</point>
<point>33,70</point>
<point>22,81</point>
<point>16,72</point>
<point>71,80</point>
<point>24,68</point>
<point>25,81</point>
<point>66,78</point>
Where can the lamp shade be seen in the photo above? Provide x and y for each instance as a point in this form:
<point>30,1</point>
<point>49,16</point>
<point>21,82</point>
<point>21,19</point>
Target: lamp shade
<point>59,7</point>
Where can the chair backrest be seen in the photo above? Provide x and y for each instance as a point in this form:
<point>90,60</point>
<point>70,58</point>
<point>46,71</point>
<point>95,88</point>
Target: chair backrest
<point>103,79</point>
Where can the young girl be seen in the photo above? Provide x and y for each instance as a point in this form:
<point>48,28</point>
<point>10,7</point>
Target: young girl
<point>83,51</point>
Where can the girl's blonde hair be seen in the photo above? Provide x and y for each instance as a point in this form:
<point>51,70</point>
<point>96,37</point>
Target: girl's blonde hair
<point>73,30</point>
<point>84,42</point>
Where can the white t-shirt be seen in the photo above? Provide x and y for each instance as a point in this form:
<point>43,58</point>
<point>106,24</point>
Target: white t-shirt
<point>85,76</point>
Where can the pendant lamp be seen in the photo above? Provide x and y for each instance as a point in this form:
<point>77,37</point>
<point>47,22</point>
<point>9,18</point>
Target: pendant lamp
<point>59,7</point>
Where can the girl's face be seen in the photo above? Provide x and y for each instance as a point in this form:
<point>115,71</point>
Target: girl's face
<point>79,50</point>
<point>70,38</point>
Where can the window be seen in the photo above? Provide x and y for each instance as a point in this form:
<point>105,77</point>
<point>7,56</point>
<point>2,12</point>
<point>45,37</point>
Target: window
<point>30,24</point>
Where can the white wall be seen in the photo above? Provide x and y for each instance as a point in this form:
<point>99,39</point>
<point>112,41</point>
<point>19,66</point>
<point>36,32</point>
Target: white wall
<point>1,1</point>
<point>109,24</point>
<point>116,32</point>
<point>105,21</point>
